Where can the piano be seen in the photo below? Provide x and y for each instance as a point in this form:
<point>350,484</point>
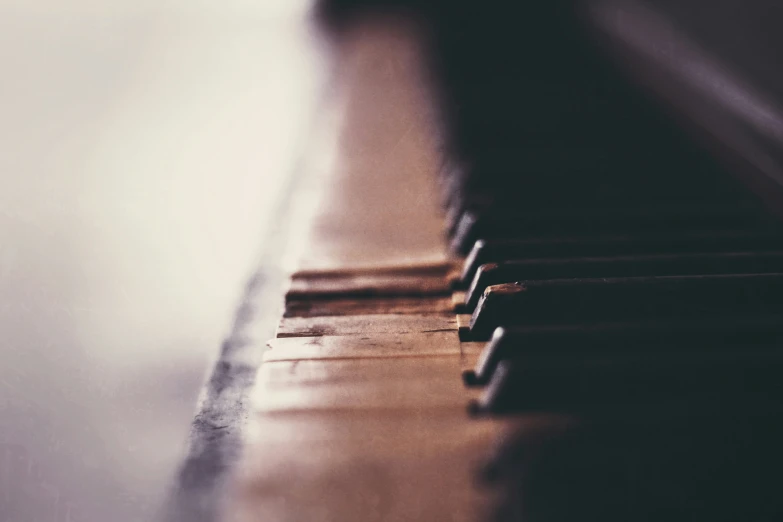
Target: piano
<point>534,271</point>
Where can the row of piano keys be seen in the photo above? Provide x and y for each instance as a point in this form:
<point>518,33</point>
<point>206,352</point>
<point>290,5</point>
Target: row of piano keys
<point>604,346</point>
<point>620,276</point>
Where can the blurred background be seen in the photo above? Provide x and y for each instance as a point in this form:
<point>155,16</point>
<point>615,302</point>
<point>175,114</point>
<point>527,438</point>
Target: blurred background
<point>142,146</point>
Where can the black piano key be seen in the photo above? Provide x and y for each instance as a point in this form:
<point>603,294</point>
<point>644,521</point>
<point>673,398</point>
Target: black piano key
<point>584,177</point>
<point>666,338</point>
<point>495,251</point>
<point>539,189</point>
<point>550,170</point>
<point>574,301</point>
<point>682,465</point>
<point>579,382</point>
<point>621,266</point>
<point>473,226</point>
<point>536,181</point>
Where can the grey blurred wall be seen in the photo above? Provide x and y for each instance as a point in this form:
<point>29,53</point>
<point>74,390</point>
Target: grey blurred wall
<point>141,146</point>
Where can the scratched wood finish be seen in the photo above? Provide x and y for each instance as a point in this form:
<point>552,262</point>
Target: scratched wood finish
<point>367,285</point>
<point>363,346</point>
<point>405,383</point>
<point>369,466</point>
<point>448,269</point>
<point>368,306</point>
<point>363,324</point>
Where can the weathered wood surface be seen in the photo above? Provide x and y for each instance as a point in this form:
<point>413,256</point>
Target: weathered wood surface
<point>363,465</point>
<point>365,324</point>
<point>367,285</point>
<point>368,306</point>
<point>448,269</point>
<point>406,383</point>
<point>363,346</point>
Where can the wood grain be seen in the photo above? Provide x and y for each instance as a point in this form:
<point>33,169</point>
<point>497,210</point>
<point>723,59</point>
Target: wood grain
<point>365,324</point>
<point>408,383</point>
<point>367,306</point>
<point>369,466</point>
<point>367,285</point>
<point>363,346</point>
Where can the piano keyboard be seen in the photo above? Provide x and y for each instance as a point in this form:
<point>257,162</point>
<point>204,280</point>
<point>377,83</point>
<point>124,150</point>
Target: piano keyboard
<point>460,343</point>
